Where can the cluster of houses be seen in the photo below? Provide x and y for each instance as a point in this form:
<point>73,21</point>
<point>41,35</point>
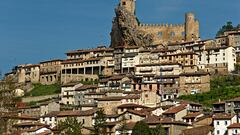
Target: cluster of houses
<point>177,117</point>
<point>179,67</point>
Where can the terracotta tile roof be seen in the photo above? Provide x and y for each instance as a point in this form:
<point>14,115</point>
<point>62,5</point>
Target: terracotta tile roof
<point>234,125</point>
<point>171,121</point>
<point>111,123</point>
<point>90,50</point>
<point>22,117</point>
<point>152,119</point>
<point>137,112</point>
<point>53,60</point>
<point>220,116</point>
<point>112,115</point>
<point>76,113</point>
<point>111,99</point>
<point>192,115</point>
<point>84,87</point>
<point>175,109</point>
<point>131,106</point>
<point>51,114</point>
<point>128,126</point>
<point>203,130</point>
<point>219,103</point>
<point>28,124</point>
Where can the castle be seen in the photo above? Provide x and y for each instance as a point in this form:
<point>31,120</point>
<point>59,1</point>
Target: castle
<point>160,33</point>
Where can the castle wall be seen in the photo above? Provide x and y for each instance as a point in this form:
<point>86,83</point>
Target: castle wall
<point>164,33</point>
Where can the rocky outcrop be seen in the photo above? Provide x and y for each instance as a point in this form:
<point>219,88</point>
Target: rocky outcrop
<point>125,30</point>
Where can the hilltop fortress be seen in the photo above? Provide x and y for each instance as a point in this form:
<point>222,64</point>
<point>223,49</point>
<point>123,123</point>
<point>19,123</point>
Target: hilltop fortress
<point>127,30</point>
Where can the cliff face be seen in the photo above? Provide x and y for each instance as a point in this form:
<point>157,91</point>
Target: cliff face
<point>125,30</point>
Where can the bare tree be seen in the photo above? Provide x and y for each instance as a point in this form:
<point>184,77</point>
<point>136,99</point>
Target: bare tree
<point>7,102</point>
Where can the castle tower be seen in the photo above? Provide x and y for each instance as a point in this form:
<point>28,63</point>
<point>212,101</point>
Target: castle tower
<point>129,5</point>
<point>191,27</point>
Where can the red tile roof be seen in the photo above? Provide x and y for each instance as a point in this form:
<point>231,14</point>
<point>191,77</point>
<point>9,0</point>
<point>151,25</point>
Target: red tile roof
<point>111,99</point>
<point>76,113</point>
<point>84,87</point>
<point>152,119</point>
<point>175,109</point>
<point>29,124</point>
<point>192,115</point>
<point>131,106</point>
<point>137,112</point>
<point>223,116</point>
<point>90,50</point>
<point>234,125</point>
<point>203,130</point>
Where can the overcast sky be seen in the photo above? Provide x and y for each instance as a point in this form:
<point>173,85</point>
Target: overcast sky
<point>36,30</point>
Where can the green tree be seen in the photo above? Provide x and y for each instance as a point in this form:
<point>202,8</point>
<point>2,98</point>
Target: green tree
<point>227,27</point>
<point>100,123</point>
<point>70,126</point>
<point>141,128</point>
<point>159,130</point>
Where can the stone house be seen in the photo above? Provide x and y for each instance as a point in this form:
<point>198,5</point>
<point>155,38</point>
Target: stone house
<point>28,73</point>
<point>190,118</point>
<point>202,130</point>
<point>86,65</point>
<point>50,71</point>
<point>109,104</point>
<point>177,112</point>
<point>195,82</point>
<point>219,107</point>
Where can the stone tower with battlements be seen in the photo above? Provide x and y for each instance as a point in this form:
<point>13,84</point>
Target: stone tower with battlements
<point>127,30</point>
<point>129,5</point>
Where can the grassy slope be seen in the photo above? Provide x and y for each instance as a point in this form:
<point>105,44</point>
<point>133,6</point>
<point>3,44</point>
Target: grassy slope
<point>42,90</point>
<point>222,87</point>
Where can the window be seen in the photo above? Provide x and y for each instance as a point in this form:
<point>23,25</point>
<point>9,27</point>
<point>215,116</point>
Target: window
<point>124,3</point>
<point>150,87</point>
<point>172,34</point>
<point>130,116</point>
<point>160,34</point>
<point>83,121</point>
<point>226,122</point>
<point>218,132</point>
<point>217,122</point>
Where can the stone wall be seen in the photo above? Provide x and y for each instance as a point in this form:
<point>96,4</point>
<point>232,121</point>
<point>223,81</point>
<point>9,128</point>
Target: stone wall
<point>39,98</point>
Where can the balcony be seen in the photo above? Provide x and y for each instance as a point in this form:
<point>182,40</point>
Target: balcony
<point>220,109</point>
<point>237,107</point>
<point>114,85</point>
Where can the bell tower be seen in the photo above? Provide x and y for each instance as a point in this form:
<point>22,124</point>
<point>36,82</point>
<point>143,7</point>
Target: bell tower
<point>129,5</point>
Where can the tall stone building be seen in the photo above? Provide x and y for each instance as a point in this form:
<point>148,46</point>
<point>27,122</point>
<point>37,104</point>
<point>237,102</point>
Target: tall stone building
<point>127,30</point>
